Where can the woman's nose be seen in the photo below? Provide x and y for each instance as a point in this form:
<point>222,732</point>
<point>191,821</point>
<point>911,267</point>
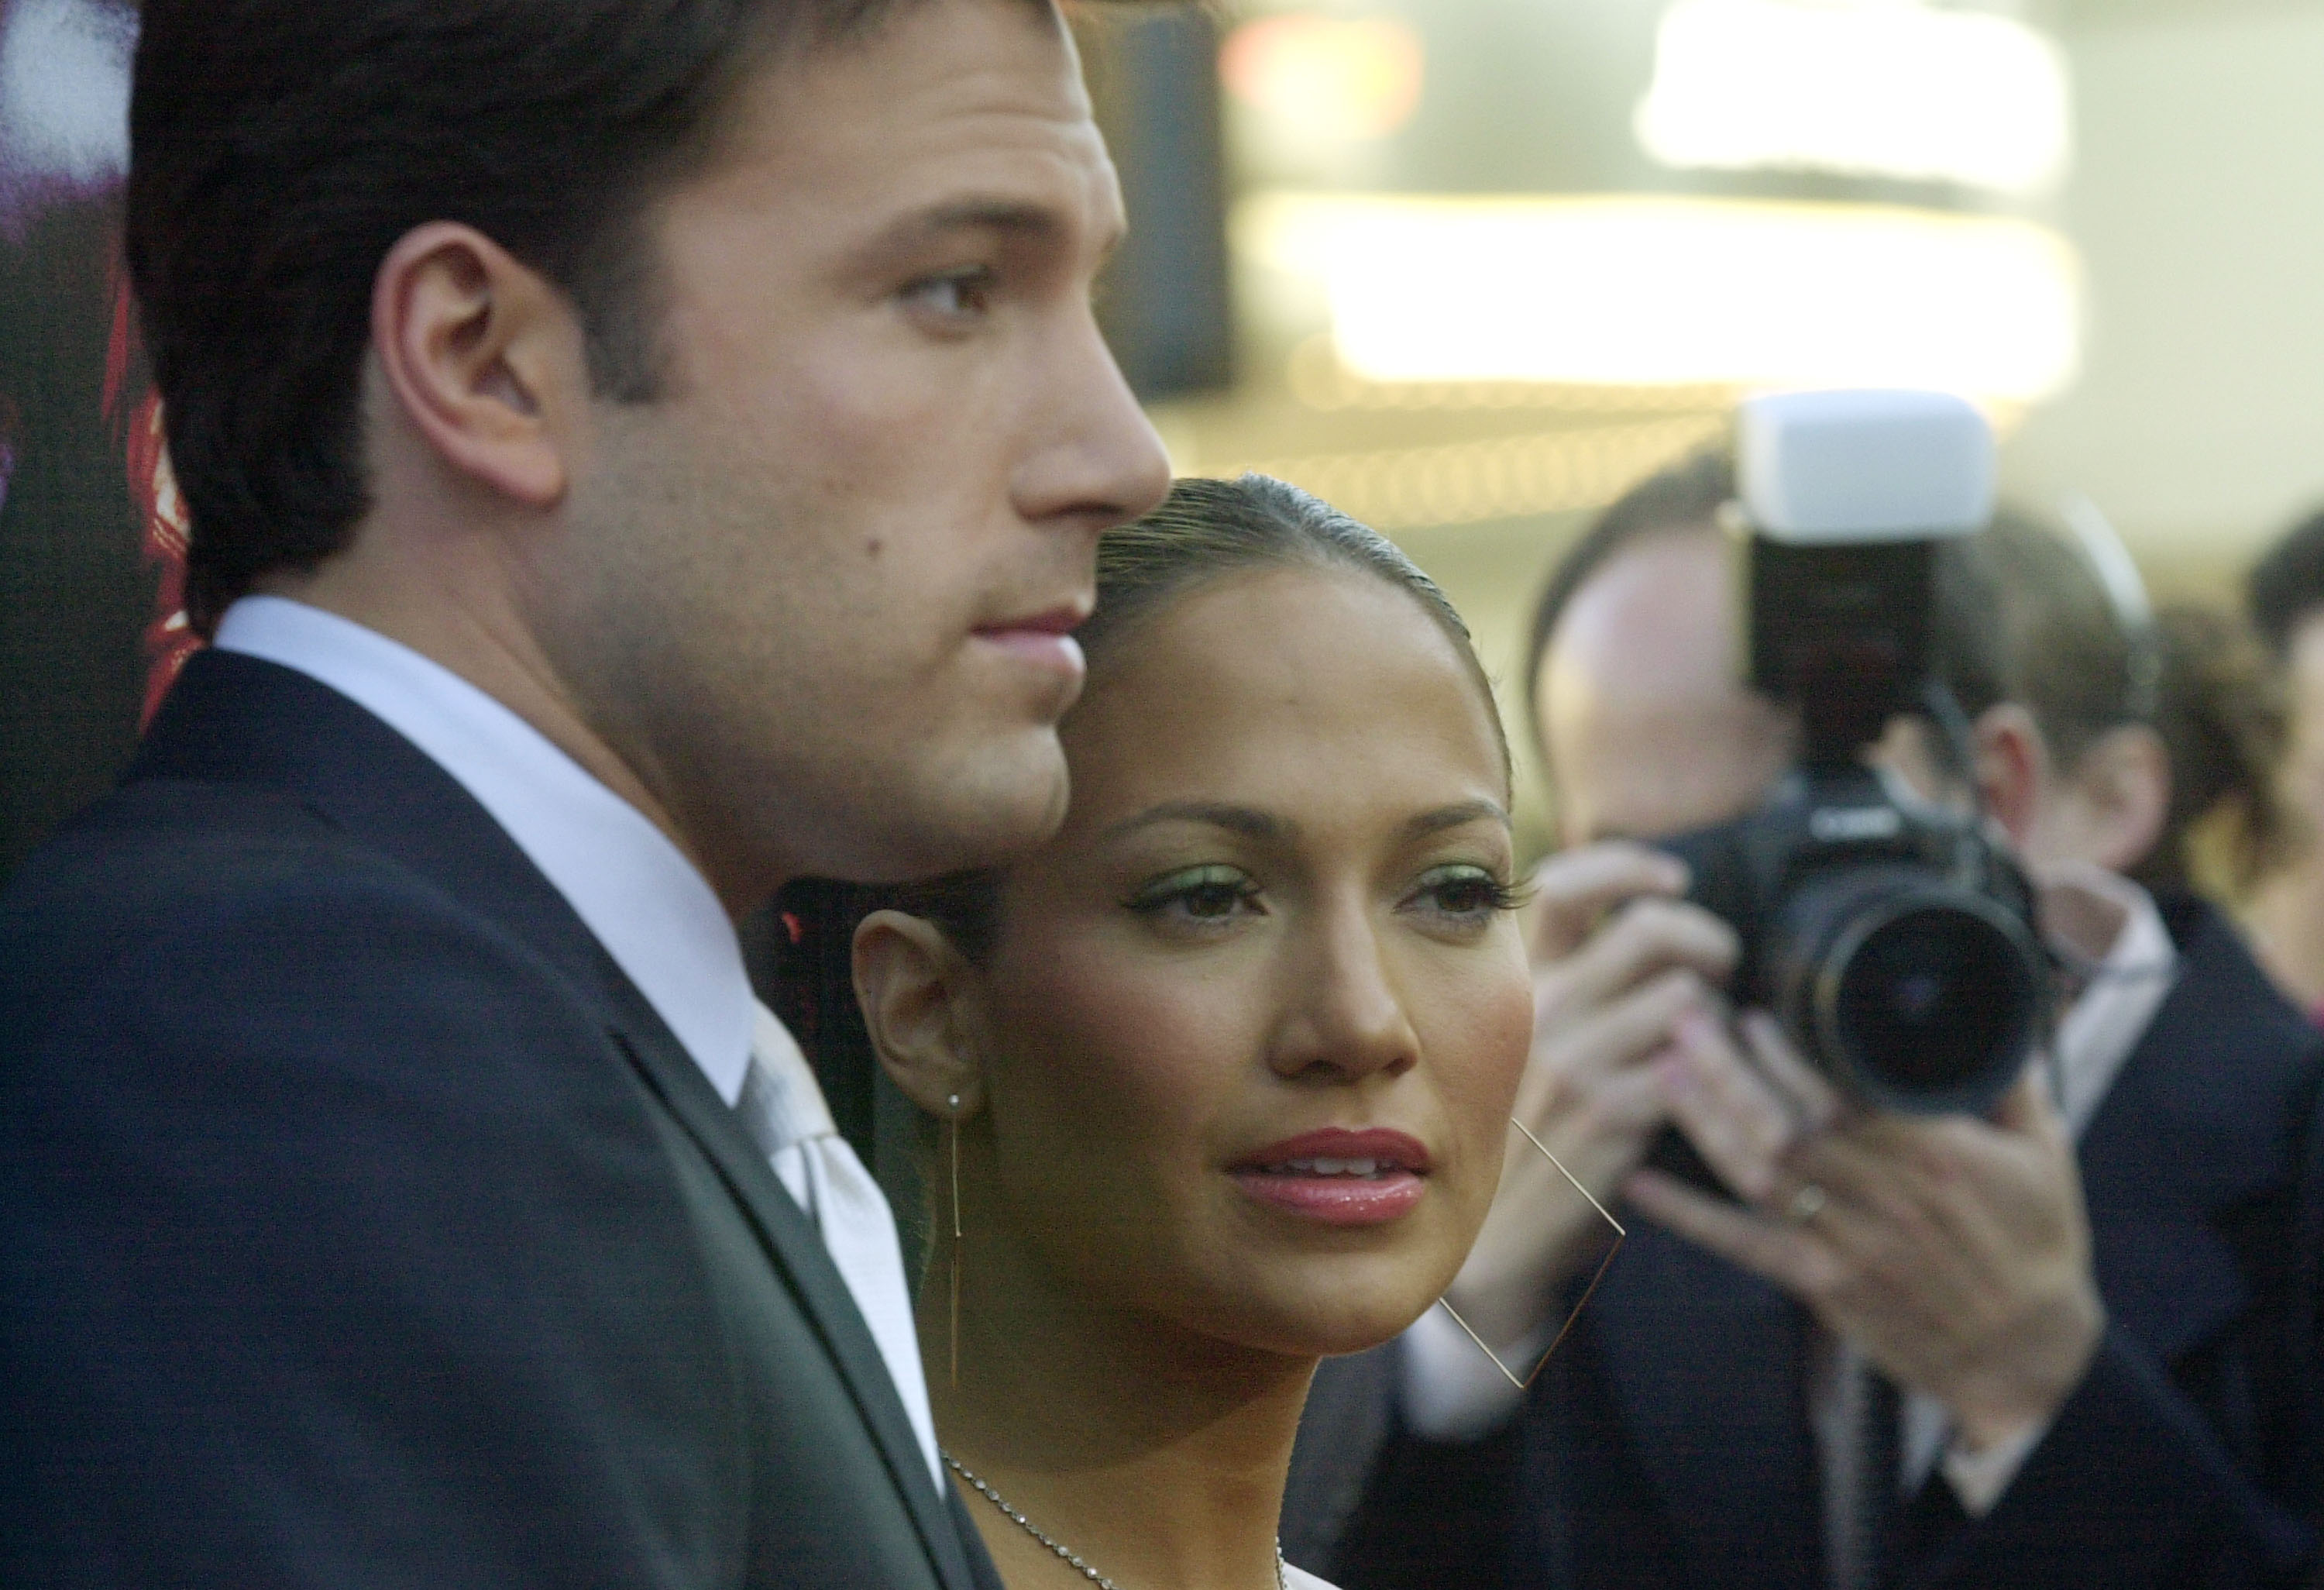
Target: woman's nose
<point>1343,1016</point>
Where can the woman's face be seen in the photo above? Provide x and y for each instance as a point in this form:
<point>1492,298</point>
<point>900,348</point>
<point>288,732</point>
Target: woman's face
<point>1255,1017</point>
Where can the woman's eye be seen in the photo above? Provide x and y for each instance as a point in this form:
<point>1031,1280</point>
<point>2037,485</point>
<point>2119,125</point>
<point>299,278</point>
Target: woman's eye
<point>1205,894</point>
<point>953,295</point>
<point>1465,892</point>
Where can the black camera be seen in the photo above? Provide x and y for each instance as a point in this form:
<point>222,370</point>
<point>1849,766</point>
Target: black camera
<point>1894,943</point>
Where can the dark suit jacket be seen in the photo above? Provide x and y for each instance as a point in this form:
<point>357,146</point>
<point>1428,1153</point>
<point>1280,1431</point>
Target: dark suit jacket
<point>1669,1445</point>
<point>360,1224</point>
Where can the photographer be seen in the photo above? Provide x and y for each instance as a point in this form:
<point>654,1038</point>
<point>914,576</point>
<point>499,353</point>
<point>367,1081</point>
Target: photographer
<point>1906,1355</point>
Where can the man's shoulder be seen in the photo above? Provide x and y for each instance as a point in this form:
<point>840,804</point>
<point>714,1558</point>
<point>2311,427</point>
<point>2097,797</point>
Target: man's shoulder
<point>2225,1044</point>
<point>2213,1111</point>
<point>172,893</point>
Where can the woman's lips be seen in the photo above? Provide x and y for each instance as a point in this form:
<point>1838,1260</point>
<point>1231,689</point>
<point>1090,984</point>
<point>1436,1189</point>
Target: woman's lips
<point>1338,1177</point>
<point>1336,1200</point>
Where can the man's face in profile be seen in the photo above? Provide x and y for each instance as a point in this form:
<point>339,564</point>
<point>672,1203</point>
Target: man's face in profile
<point>814,585</point>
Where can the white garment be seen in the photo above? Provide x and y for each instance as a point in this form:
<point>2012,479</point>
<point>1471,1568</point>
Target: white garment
<point>1296,1577</point>
<point>1451,1391</point>
<point>654,914</point>
<point>784,1110</point>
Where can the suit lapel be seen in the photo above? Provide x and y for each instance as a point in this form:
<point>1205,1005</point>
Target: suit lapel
<point>800,1255</point>
<point>1705,1363</point>
<point>2194,1129</point>
<point>238,719</point>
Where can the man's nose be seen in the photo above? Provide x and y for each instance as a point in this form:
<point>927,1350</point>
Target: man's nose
<point>1099,461</point>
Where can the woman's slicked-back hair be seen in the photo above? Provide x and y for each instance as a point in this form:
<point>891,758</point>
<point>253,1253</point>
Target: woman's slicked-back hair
<point>278,148</point>
<point>1205,528</point>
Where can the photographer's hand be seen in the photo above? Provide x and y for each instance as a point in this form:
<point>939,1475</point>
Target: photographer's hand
<point>1953,1250</point>
<point>1618,963</point>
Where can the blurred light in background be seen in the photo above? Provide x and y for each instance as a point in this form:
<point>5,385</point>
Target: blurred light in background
<point>1328,77</point>
<point>1647,290</point>
<point>1495,259</point>
<point>1496,477</point>
<point>1864,88</point>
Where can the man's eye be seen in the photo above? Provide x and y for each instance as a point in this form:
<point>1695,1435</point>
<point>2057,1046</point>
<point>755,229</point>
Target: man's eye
<point>1212,893</point>
<point>956,295</point>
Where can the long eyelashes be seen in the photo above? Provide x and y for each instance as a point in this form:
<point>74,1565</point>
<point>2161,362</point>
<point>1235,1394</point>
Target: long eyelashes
<point>1208,893</point>
<point>1466,891</point>
<point>1214,892</point>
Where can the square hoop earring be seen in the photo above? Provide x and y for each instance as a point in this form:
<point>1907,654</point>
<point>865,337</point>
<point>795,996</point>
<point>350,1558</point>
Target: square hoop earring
<point>1596,1276</point>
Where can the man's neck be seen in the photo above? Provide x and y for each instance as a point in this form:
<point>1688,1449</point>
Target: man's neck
<point>484,642</point>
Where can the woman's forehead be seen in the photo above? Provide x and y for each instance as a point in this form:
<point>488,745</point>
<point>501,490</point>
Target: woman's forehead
<point>1283,683</point>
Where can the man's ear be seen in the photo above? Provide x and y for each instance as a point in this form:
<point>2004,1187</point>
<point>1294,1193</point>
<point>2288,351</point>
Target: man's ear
<point>919,996</point>
<point>484,357</point>
<point>2123,785</point>
<point>2013,768</point>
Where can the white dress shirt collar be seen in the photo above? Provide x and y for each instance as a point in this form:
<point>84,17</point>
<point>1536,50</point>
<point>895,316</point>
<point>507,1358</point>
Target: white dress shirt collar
<point>2119,997</point>
<point>633,889</point>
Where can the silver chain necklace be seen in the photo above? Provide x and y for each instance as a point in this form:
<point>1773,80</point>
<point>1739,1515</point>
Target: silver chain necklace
<point>1070,1558</point>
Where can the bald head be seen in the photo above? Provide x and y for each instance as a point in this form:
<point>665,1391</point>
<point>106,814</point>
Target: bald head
<point>1648,731</point>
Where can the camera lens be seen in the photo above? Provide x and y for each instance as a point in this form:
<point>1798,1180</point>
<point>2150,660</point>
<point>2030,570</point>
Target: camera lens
<point>1929,999</point>
<point>1915,994</point>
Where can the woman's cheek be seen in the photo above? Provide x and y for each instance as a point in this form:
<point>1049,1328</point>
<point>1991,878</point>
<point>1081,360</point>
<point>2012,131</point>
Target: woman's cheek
<point>1496,1017</point>
<point>1130,1047</point>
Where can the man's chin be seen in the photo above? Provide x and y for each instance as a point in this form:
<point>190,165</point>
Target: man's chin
<point>984,814</point>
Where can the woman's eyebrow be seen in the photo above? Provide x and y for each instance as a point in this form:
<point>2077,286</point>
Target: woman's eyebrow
<point>1245,820</point>
<point>1454,816</point>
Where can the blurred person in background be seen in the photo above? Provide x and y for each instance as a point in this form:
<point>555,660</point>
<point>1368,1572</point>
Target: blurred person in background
<point>2068,1344</point>
<point>2286,599</point>
<point>2220,712</point>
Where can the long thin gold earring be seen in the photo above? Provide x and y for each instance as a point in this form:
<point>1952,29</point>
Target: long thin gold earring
<point>1599,1275</point>
<point>952,1131</point>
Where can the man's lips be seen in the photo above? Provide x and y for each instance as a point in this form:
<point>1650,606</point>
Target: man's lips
<point>1045,639</point>
<point>1337,1176</point>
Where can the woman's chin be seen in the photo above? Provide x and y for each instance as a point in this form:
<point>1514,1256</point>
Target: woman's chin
<point>1346,1305</point>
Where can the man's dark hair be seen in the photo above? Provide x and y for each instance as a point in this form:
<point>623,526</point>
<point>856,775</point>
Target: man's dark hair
<point>2287,586</point>
<point>278,148</point>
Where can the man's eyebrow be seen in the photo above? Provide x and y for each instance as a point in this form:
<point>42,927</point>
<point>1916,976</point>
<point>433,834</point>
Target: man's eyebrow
<point>1456,816</point>
<point>921,228</point>
<point>1248,821</point>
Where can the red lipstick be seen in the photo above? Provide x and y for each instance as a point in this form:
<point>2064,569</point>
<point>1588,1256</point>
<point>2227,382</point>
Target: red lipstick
<point>1337,1176</point>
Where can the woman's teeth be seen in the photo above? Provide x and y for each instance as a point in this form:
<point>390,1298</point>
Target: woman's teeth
<point>1325,1167</point>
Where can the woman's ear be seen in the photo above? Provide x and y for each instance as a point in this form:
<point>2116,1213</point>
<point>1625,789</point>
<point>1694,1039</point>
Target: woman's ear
<point>919,996</point>
<point>2012,768</point>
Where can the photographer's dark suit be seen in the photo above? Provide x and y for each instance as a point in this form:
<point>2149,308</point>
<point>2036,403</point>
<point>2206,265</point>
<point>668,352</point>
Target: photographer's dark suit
<point>360,1224</point>
<point>1668,1446</point>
